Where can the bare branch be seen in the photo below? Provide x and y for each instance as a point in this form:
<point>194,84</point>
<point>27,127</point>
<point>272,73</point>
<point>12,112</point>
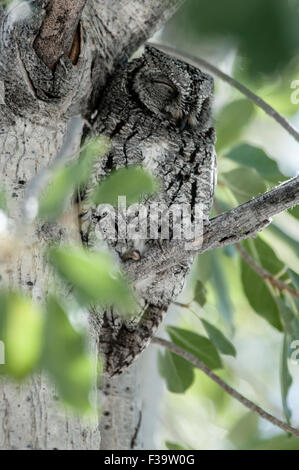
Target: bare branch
<point>199,62</point>
<point>249,218</point>
<point>230,227</point>
<point>265,274</point>
<point>227,388</point>
<point>59,32</point>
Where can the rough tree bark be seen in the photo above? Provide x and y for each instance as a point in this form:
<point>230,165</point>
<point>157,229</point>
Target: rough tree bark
<point>49,71</point>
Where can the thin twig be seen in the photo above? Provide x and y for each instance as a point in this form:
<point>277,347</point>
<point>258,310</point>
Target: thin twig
<point>227,388</point>
<point>280,285</point>
<point>199,62</point>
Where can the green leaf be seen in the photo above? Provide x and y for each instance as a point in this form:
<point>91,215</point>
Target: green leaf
<point>178,373</point>
<point>200,293</point>
<point>256,159</point>
<point>294,278</point>
<point>92,149</point>
<point>219,340</point>
<point>245,183</point>
<point>65,179</point>
<point>6,2</point>
<point>280,442</point>
<point>174,446</point>
<point>57,194</point>
<point>95,276</point>
<point>203,266</point>
<point>267,257</point>
<point>264,255</point>
<point>65,358</point>
<point>242,28</point>
<point>244,431</point>
<point>295,212</point>
<point>200,346</point>
<point>232,121</point>
<point>134,183</point>
<point>289,319</point>
<point>229,251</point>
<point>259,296</point>
<point>21,330</point>
<point>285,247</point>
<point>285,378</point>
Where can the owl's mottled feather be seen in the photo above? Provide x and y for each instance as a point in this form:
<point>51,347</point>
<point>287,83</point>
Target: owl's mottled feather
<point>157,111</point>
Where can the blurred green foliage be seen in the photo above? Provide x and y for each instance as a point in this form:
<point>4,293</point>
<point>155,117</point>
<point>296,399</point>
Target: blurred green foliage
<point>244,183</point>
<point>200,293</point>
<point>223,345</point>
<point>94,276</point>
<point>285,377</point>
<point>220,284</point>
<point>174,446</point>
<point>66,360</point>
<point>295,212</point>
<point>265,32</point>
<point>43,339</point>
<point>65,179</point>
<point>200,346</point>
<point>260,296</point>
<point>177,372</point>
<point>231,122</point>
<point>21,327</point>
<point>134,183</point>
<point>226,281</point>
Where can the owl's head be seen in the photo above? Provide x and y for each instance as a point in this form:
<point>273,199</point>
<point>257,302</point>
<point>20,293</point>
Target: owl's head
<point>173,90</point>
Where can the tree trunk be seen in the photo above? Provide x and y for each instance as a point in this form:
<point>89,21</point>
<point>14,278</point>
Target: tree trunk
<point>30,414</point>
<point>39,92</point>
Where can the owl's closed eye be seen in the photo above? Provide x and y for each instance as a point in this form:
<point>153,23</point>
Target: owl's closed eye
<point>173,92</point>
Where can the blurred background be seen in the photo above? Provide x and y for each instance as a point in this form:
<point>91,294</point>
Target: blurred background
<point>256,42</point>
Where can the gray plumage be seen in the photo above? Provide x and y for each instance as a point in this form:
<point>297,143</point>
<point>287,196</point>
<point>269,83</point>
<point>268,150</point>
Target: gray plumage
<point>157,111</point>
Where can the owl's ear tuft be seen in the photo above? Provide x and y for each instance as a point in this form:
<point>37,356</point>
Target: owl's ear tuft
<point>149,49</point>
<point>155,53</point>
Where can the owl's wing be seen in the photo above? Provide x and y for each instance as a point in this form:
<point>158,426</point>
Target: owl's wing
<point>122,344</point>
